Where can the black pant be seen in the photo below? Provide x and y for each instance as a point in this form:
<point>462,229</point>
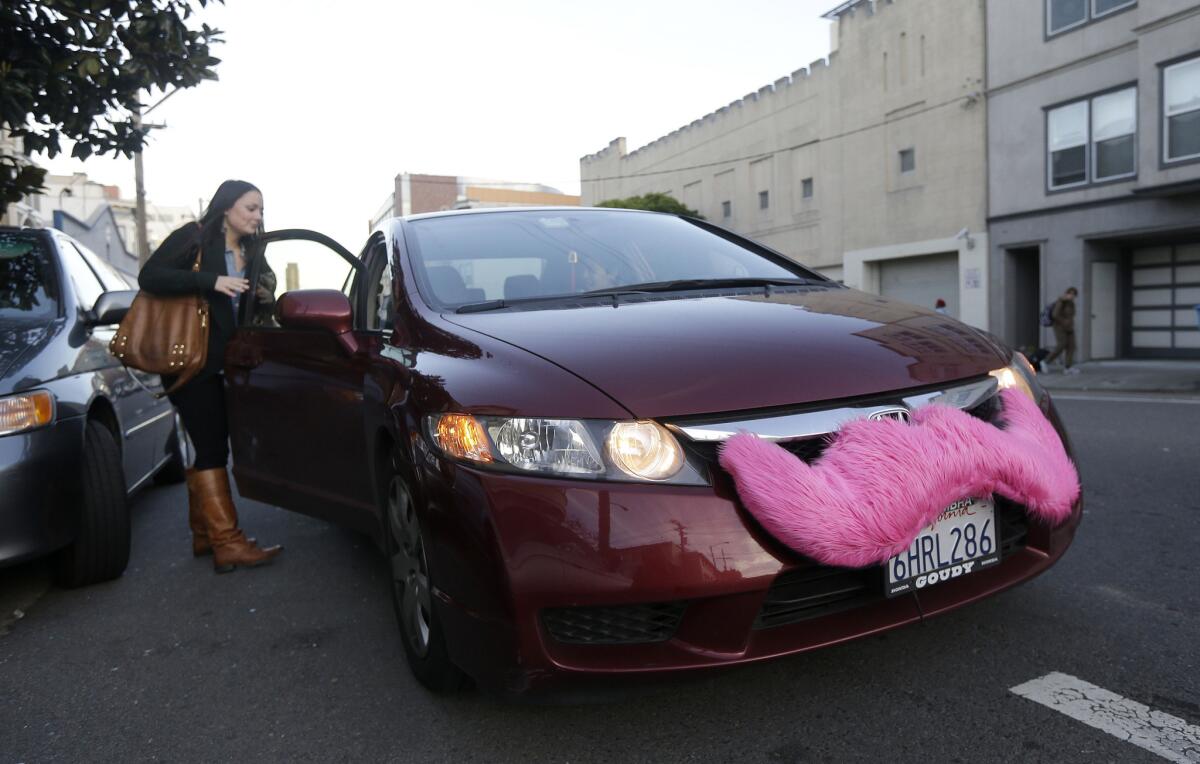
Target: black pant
<point>201,403</point>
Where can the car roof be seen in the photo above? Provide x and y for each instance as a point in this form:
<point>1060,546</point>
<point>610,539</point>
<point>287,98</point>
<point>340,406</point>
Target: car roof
<point>506,210</point>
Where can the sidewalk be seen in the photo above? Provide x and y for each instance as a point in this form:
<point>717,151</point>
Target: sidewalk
<point>1127,377</point>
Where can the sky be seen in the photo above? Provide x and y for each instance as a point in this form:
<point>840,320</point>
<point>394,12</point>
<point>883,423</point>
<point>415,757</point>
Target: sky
<point>322,104</point>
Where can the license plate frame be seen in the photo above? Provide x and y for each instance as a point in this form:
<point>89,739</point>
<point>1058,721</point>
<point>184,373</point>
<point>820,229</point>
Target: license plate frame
<point>939,552</point>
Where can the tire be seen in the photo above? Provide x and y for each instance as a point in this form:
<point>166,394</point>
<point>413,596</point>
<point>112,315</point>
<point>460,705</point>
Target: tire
<point>412,595</point>
<point>175,470</point>
<point>100,551</point>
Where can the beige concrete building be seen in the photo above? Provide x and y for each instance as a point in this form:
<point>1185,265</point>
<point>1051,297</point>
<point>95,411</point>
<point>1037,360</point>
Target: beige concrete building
<point>416,193</point>
<point>869,166</point>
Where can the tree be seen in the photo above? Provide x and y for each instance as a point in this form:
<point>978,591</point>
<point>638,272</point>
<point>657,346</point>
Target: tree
<point>655,202</point>
<point>76,69</point>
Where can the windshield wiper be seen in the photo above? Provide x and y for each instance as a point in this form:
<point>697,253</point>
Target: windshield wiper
<point>679,285</point>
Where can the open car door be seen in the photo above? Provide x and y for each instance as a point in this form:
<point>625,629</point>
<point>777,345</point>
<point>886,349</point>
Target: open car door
<point>295,390</point>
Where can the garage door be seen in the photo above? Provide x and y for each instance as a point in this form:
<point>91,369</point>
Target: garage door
<point>922,280</point>
<point>1164,292</point>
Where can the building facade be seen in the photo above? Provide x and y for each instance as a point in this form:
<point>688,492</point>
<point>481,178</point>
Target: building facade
<point>417,193</point>
<point>85,200</point>
<point>869,166</point>
<point>1094,180</point>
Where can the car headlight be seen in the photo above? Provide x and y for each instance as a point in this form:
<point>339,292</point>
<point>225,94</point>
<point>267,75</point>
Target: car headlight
<point>576,448</point>
<point>1019,374</point>
<point>26,411</point>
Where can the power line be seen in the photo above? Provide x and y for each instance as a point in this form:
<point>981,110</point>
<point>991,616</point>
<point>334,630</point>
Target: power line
<point>453,180</point>
<point>764,154</point>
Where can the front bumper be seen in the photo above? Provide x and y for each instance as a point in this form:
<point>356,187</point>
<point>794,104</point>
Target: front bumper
<point>39,490</point>
<point>567,545</point>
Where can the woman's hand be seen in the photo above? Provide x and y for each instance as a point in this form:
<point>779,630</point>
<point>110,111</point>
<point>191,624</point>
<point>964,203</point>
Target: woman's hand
<point>230,286</point>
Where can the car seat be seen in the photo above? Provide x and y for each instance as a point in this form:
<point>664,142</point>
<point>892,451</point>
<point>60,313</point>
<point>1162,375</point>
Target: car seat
<point>448,284</point>
<point>522,285</point>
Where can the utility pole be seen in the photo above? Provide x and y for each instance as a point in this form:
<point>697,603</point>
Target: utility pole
<point>139,180</point>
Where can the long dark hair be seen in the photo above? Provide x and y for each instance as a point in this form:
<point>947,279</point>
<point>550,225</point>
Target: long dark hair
<point>225,197</point>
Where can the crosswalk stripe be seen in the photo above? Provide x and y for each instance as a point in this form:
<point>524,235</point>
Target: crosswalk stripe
<point>1160,733</point>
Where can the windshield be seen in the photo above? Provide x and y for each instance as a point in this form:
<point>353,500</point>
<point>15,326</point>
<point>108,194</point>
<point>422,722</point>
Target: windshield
<point>28,282</point>
<point>473,258</point>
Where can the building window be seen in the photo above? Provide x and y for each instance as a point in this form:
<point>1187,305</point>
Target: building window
<point>1105,7</point>
<point>1114,124</point>
<point>764,200</point>
<point>726,210</point>
<point>1062,15</point>
<point>806,188</point>
<point>1092,140</point>
<point>908,160</point>
<point>1181,111</point>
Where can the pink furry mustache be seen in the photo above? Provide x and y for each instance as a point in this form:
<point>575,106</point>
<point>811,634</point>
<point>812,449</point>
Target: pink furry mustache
<point>880,482</point>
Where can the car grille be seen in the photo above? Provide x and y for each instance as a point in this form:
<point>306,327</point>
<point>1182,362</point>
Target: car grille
<point>810,592</point>
<point>621,625</point>
<point>810,449</point>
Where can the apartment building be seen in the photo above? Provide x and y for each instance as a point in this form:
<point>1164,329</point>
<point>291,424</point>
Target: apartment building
<point>1094,171</point>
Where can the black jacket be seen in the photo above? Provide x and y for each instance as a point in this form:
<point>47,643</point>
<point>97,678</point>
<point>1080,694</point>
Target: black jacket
<point>169,272</point>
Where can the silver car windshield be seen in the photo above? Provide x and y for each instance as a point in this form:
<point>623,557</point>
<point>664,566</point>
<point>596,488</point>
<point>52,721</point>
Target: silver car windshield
<point>28,279</point>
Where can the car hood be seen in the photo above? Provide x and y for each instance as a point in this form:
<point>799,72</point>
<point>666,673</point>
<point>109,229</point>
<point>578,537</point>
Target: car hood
<point>677,357</point>
<point>19,343</point>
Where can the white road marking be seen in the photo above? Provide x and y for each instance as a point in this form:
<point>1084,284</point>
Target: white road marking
<point>1169,737</point>
<point>1122,399</point>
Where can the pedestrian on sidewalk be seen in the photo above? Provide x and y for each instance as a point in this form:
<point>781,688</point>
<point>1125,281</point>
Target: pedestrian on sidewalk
<point>231,222</point>
<point>1063,321</point>
<point>940,306</point>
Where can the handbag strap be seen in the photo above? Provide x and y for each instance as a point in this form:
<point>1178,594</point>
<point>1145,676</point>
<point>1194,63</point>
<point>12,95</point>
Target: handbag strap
<point>199,248</point>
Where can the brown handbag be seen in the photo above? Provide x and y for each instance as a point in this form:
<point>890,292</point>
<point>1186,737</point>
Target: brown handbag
<point>165,335</point>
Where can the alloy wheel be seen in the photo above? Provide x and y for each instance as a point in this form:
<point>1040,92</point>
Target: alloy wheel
<point>410,569</point>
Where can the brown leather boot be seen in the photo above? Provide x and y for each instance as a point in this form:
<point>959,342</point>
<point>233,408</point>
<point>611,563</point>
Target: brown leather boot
<point>230,547</point>
<point>200,544</point>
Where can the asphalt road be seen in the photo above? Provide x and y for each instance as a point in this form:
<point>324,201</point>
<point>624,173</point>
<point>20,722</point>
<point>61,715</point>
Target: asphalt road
<point>300,661</point>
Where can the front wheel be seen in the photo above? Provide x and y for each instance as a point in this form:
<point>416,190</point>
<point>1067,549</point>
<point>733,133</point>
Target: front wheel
<point>412,595</point>
<point>100,551</point>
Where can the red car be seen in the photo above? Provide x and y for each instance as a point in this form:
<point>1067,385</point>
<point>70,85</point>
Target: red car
<point>523,408</point>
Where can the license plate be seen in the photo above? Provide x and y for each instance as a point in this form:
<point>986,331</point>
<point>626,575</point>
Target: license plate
<point>960,541</point>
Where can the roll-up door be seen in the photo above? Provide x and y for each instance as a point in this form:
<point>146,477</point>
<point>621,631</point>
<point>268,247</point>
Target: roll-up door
<point>922,280</point>
<point>1164,290</point>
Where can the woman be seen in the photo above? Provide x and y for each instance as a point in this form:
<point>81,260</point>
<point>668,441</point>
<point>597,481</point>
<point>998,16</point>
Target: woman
<point>233,218</point>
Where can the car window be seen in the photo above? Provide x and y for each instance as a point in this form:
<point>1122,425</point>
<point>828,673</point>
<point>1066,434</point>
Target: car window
<point>380,301</point>
<point>87,285</point>
<point>477,257</point>
<point>295,264</point>
<point>28,278</point>
<point>112,279</point>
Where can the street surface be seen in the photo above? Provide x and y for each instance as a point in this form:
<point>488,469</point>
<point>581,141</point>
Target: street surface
<point>301,661</point>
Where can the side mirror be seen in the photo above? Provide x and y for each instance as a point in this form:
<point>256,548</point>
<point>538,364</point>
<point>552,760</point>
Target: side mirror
<point>110,308</point>
<point>326,309</point>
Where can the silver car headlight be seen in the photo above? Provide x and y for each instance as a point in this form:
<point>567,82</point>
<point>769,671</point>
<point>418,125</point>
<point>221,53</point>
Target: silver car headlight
<point>26,411</point>
<point>641,450</point>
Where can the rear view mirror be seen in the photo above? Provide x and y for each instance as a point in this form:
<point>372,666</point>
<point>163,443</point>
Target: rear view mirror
<point>110,308</point>
<point>326,309</point>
